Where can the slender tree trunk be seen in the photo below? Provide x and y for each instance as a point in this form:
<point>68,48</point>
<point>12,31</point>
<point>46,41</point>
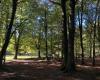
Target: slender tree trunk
<point>81,32</point>
<point>39,45</point>
<point>8,33</point>
<point>76,55</point>
<point>39,54</point>
<point>98,29</point>
<point>90,56</point>
<point>51,41</point>
<point>15,46</point>
<point>17,40</point>
<point>16,50</point>
<point>93,63</point>
<point>94,34</point>
<point>46,30</point>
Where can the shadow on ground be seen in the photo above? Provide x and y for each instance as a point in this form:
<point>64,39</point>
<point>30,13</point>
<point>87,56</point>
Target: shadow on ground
<point>43,70</point>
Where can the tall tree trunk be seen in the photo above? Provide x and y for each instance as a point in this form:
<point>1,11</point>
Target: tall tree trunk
<point>8,33</point>
<point>46,30</point>
<point>17,40</point>
<point>64,34</point>
<point>70,58</point>
<point>98,31</point>
<point>94,33</point>
<point>81,31</point>
<point>39,45</point>
<point>51,42</point>
<point>90,45</point>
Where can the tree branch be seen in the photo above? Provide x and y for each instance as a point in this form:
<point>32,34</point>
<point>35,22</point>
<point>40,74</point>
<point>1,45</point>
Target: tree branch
<point>12,34</point>
<point>55,2</point>
<point>20,1</point>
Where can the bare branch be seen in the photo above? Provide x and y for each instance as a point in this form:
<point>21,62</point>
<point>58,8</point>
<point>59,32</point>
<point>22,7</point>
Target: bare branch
<point>55,2</point>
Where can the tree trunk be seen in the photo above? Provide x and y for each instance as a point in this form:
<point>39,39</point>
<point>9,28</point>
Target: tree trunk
<point>16,50</point>
<point>81,32</point>
<point>51,42</point>
<point>8,33</point>
<point>17,45</point>
<point>93,63</point>
<point>70,58</point>
<point>64,36</point>
<point>94,34</point>
<point>39,45</point>
<point>46,30</point>
<point>90,56</point>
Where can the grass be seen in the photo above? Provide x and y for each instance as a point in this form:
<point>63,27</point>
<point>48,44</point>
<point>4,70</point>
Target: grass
<point>10,57</point>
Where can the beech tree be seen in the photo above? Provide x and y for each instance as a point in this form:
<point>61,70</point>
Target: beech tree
<point>8,33</point>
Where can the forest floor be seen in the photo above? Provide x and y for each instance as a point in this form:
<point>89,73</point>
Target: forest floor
<point>43,70</point>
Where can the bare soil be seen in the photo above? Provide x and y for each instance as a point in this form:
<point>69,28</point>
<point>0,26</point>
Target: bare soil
<point>43,70</point>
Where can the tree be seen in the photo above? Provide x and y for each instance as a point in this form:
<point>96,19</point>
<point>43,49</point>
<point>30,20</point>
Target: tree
<point>70,58</point>
<point>18,34</point>
<point>68,43</point>
<point>80,16</point>
<point>8,33</point>
<point>64,32</point>
<point>94,33</point>
<point>46,30</point>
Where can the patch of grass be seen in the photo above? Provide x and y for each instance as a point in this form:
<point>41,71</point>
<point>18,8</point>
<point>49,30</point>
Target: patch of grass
<point>10,57</point>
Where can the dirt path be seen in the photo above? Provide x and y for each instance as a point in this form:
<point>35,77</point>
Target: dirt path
<point>42,70</point>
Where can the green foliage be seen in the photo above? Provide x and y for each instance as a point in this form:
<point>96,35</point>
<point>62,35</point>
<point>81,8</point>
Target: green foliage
<point>29,21</point>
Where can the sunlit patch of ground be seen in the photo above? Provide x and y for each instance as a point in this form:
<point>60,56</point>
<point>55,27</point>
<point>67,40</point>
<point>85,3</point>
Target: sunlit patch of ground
<point>43,70</point>
<point>11,57</point>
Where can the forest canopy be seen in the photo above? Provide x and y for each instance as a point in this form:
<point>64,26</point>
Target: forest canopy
<point>62,29</point>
